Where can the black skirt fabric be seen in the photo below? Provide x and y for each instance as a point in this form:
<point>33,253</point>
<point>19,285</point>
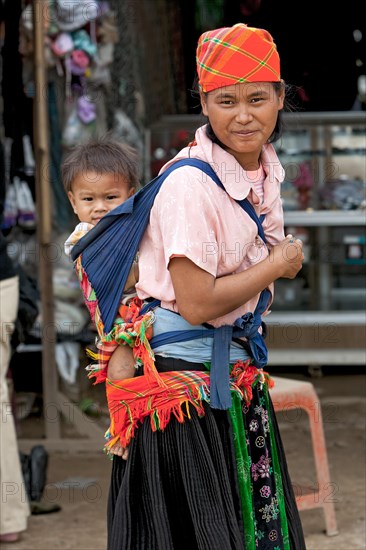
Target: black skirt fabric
<point>179,489</point>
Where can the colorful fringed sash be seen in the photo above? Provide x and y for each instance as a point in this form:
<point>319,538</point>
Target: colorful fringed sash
<point>131,401</point>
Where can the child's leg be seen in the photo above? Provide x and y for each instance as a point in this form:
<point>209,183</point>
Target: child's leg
<point>121,365</point>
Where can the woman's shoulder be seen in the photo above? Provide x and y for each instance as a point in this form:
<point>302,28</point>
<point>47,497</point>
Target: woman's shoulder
<point>187,184</point>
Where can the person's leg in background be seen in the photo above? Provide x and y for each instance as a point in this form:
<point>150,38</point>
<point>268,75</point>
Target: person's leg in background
<point>14,503</point>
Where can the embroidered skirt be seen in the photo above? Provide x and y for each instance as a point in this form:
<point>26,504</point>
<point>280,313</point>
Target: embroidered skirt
<point>219,482</point>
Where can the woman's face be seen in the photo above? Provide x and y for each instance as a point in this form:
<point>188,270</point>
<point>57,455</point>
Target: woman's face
<point>243,117</point>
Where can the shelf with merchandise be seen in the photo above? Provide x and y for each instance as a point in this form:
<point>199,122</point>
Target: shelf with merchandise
<point>316,218</point>
<point>323,157</point>
<point>333,275</point>
<point>328,208</point>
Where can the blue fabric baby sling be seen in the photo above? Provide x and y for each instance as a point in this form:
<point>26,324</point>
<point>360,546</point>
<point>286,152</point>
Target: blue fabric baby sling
<point>108,251</point>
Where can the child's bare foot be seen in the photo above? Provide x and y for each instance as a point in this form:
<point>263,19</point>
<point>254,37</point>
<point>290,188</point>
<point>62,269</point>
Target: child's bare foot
<point>118,450</point>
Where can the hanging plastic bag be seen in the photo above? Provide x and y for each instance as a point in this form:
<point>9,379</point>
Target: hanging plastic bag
<point>25,202</point>
<point>29,162</point>
<point>75,131</point>
<point>10,214</point>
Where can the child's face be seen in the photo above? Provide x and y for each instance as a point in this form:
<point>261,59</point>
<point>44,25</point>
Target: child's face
<point>93,195</point>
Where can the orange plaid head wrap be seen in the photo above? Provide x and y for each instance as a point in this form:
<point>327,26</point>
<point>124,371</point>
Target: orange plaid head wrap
<point>232,55</point>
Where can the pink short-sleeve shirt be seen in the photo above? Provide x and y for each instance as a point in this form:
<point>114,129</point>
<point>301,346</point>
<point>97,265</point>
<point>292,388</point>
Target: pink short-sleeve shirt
<point>193,217</point>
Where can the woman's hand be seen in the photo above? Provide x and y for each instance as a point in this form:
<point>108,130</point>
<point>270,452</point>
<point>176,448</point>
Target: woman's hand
<point>201,297</point>
<point>287,257</point>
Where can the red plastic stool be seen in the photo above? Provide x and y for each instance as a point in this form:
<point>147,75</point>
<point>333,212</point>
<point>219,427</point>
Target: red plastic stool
<point>294,394</point>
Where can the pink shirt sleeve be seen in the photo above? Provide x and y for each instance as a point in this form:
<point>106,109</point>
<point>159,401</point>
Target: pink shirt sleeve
<point>273,224</point>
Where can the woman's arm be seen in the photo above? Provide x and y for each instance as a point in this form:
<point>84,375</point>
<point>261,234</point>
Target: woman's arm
<point>200,297</point>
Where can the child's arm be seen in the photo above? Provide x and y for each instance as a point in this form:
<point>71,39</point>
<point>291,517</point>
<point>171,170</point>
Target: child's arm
<point>121,365</point>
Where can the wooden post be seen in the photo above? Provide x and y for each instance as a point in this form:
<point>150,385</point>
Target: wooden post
<point>44,226</point>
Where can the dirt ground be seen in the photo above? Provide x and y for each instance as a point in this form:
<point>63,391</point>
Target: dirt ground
<point>79,481</point>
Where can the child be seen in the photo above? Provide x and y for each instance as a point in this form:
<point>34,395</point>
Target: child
<point>97,177</point>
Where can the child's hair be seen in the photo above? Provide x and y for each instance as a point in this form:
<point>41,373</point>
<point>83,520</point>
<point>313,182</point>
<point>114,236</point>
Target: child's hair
<point>103,156</point>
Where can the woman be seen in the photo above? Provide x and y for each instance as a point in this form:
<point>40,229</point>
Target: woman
<point>205,466</point>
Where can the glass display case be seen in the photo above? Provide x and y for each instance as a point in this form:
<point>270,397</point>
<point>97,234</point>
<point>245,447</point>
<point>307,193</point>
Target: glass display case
<point>322,310</point>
